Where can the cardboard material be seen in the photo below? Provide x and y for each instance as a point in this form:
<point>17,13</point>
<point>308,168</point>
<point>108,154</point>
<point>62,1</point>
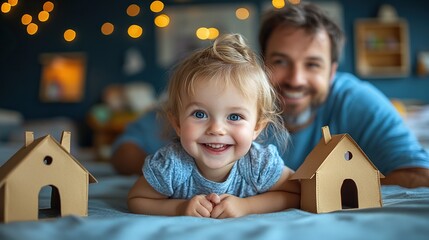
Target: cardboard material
<point>43,162</point>
<point>337,175</point>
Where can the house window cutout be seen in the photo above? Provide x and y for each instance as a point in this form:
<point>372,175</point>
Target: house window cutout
<point>47,160</point>
<point>349,194</point>
<point>348,156</point>
<point>49,202</point>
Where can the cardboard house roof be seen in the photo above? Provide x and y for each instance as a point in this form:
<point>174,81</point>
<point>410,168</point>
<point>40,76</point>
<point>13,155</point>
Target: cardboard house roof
<point>321,152</point>
<point>20,156</point>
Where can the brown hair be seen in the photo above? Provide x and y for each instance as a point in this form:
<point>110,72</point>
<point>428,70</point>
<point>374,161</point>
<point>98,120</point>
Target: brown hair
<point>306,16</point>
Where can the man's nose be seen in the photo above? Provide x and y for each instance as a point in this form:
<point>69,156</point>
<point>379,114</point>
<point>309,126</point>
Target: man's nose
<point>296,76</point>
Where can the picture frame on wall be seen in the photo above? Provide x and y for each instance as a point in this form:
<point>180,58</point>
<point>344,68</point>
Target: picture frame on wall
<point>62,77</point>
<point>179,38</point>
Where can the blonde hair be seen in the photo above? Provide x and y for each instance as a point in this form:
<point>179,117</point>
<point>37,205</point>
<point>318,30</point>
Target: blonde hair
<point>228,61</point>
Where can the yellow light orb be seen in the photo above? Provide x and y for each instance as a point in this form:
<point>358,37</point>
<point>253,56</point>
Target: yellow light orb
<point>32,28</point>
<point>135,31</point>
<point>162,21</point>
<point>5,7</point>
<point>242,13</point>
<point>43,16</point>
<point>133,10</point>
<point>48,6</point>
<point>13,3</point>
<point>294,2</point>
<point>156,6</point>
<point>26,19</point>
<point>202,33</point>
<point>107,28</point>
<point>278,3</point>
<point>69,35</point>
<point>213,33</point>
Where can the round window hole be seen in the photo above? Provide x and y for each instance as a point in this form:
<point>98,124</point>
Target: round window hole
<point>47,160</point>
<point>348,156</point>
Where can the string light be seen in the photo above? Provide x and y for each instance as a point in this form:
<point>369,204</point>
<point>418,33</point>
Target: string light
<point>162,21</point>
<point>135,31</point>
<point>5,7</point>
<point>26,19</point>
<point>242,13</point>
<point>133,10</point>
<point>278,3</point>
<point>32,28</point>
<point>107,28</point>
<point>43,16</point>
<point>156,6</point>
<point>48,6</point>
<point>69,35</point>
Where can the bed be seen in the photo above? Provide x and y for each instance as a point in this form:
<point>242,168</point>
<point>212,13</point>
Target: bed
<point>405,215</point>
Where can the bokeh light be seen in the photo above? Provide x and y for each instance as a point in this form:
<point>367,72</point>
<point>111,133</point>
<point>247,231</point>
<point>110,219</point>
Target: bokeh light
<point>202,33</point>
<point>5,7</point>
<point>69,35</point>
<point>26,19</point>
<point>242,13</point>
<point>107,28</point>
<point>32,28</point>
<point>43,16</point>
<point>133,10</point>
<point>278,3</point>
<point>162,21</point>
<point>156,6</point>
<point>135,31</point>
<point>48,6</point>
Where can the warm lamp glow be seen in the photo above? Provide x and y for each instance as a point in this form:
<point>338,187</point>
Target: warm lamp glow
<point>156,6</point>
<point>5,7</point>
<point>26,19</point>
<point>162,20</point>
<point>213,33</point>
<point>135,31</point>
<point>133,10</point>
<point>242,13</point>
<point>69,35</point>
<point>48,6</point>
<point>202,33</point>
<point>278,3</point>
<point>107,28</point>
<point>43,16</point>
<point>295,2</point>
<point>13,3</point>
<point>32,28</point>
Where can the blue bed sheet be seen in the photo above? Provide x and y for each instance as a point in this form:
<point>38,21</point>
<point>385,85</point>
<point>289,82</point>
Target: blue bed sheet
<point>405,215</point>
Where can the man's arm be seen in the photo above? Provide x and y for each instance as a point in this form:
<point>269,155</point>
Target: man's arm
<point>408,177</point>
<point>128,159</point>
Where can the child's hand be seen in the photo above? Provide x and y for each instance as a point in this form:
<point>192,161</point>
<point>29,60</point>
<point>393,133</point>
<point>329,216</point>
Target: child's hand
<point>198,206</point>
<point>229,206</point>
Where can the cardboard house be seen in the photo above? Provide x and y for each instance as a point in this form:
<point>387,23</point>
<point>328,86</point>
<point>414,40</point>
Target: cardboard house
<point>337,175</point>
<point>40,163</point>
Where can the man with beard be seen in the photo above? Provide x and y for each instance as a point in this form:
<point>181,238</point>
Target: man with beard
<point>301,47</point>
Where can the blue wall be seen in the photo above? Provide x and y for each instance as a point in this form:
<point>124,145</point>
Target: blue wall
<point>19,53</point>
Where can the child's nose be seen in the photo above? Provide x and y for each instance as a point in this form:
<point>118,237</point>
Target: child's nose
<point>216,128</point>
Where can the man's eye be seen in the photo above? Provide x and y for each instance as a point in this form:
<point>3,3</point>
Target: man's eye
<point>199,114</point>
<point>234,117</point>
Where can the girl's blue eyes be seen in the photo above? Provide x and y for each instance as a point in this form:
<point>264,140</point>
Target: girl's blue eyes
<point>234,117</point>
<point>201,114</point>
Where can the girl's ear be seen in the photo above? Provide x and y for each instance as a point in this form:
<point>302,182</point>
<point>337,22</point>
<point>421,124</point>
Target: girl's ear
<point>174,121</point>
<point>258,128</point>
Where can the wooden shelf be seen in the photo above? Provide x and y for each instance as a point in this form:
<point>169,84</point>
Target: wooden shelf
<point>381,48</point>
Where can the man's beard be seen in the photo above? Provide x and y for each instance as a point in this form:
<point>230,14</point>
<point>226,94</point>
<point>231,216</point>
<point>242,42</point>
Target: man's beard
<point>298,120</point>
